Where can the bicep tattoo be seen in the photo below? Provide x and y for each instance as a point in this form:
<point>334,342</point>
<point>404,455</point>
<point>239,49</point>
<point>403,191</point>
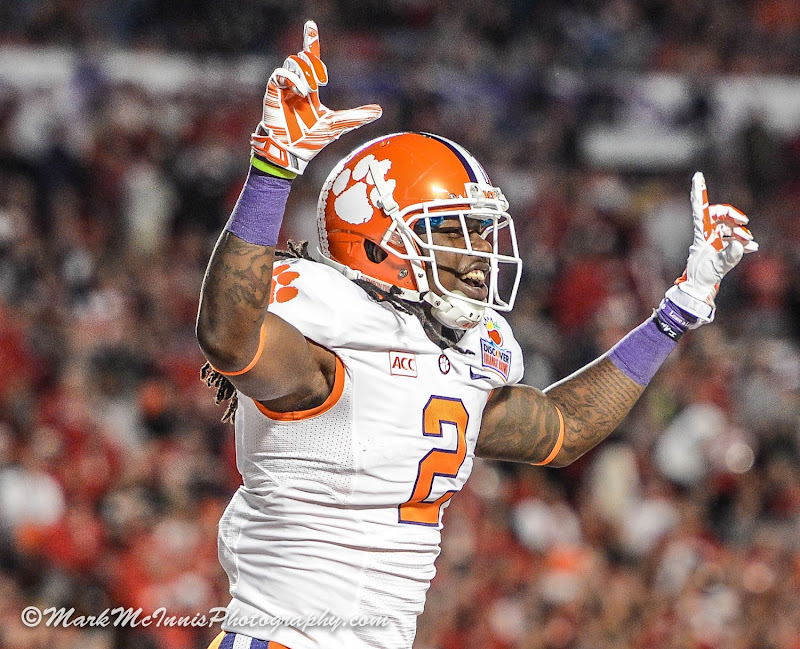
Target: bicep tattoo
<point>520,425</point>
<point>523,424</point>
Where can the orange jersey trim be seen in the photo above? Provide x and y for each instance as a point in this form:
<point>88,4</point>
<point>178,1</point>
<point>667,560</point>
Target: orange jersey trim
<point>330,402</point>
<point>559,441</point>
<point>216,642</point>
<point>261,337</point>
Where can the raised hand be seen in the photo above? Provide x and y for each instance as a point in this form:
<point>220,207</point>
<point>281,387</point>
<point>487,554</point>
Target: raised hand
<point>295,124</point>
<point>720,241</point>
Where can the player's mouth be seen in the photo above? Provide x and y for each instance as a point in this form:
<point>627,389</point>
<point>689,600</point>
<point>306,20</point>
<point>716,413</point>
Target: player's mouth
<point>473,282</point>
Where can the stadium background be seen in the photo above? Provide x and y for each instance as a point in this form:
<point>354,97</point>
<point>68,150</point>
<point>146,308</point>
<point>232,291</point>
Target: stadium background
<point>123,145</point>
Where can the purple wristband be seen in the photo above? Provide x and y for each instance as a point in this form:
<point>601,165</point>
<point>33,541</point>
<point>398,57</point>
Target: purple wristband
<point>258,213</point>
<point>673,321</point>
<point>639,354</point>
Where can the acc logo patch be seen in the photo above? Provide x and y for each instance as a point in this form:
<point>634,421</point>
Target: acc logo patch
<point>356,195</point>
<point>403,364</point>
<point>493,356</point>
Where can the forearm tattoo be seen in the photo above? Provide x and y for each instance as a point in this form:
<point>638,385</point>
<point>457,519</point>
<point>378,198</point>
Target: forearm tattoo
<point>594,401</point>
<point>233,301</point>
<point>522,424</point>
<point>239,276</point>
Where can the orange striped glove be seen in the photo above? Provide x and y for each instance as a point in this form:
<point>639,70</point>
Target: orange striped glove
<point>295,125</point>
<point>720,241</point>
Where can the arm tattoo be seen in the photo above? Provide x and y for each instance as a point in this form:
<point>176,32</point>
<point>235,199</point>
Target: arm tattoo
<point>594,401</point>
<point>234,299</point>
<point>239,274</point>
<point>521,423</point>
<point>523,426</point>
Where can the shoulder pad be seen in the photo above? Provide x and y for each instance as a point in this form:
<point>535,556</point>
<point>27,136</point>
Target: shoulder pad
<point>496,354</point>
<point>328,308</point>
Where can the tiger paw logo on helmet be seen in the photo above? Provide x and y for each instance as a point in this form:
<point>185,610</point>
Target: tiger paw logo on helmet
<point>280,291</point>
<point>355,192</point>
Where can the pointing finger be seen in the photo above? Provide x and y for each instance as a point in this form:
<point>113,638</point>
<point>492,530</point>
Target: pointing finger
<point>702,192</point>
<point>700,214</point>
<point>311,38</point>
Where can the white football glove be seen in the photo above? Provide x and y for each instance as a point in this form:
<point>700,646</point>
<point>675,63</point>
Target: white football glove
<point>720,241</point>
<point>295,125</point>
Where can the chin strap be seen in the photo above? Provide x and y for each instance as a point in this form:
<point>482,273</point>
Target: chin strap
<point>452,312</point>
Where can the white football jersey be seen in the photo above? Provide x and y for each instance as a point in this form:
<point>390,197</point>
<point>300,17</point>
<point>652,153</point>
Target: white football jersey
<point>338,520</point>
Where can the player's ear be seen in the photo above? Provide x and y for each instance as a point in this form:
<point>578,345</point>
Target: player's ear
<point>374,252</point>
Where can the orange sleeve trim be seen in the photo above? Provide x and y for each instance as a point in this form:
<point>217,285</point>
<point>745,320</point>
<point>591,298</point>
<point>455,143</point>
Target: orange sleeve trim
<point>261,337</point>
<point>559,442</point>
<point>216,642</point>
<point>330,402</point>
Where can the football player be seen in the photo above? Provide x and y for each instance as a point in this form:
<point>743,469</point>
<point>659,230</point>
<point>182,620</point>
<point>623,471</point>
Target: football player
<point>365,382</point>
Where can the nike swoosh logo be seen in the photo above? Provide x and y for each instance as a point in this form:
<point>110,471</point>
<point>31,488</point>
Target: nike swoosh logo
<point>474,375</point>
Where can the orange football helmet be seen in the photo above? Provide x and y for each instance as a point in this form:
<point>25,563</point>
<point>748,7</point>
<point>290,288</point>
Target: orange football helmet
<point>378,208</point>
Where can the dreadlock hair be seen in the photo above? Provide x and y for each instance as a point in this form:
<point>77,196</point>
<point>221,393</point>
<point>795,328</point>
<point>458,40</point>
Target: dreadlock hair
<point>445,339</point>
<point>226,391</point>
<point>392,296</point>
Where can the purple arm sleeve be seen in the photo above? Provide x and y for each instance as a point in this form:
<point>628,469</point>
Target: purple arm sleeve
<point>258,213</point>
<point>639,354</point>
<point>643,350</point>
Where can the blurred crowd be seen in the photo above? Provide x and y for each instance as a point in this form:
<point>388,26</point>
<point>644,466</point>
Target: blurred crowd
<point>682,531</point>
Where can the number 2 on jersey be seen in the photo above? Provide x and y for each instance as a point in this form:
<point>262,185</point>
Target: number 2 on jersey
<point>444,462</point>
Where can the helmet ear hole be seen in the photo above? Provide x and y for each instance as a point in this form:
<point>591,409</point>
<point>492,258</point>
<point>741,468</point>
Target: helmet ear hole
<point>374,253</point>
